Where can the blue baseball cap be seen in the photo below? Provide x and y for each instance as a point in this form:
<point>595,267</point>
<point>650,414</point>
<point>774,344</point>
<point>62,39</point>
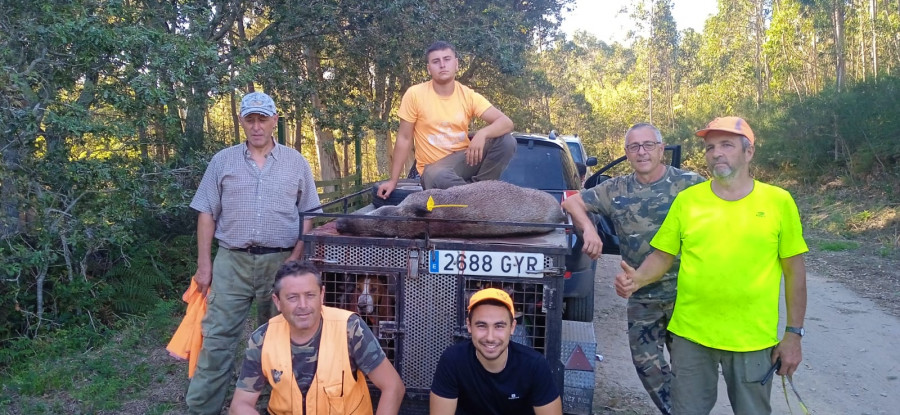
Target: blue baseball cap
<point>259,103</point>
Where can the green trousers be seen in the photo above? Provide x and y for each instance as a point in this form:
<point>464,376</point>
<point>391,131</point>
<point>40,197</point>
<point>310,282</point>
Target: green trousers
<point>695,385</point>
<point>238,279</point>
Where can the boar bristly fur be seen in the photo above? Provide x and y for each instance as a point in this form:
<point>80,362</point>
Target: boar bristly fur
<point>486,201</point>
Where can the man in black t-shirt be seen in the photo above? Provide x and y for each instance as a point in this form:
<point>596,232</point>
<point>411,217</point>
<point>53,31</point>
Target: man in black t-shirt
<point>490,375</point>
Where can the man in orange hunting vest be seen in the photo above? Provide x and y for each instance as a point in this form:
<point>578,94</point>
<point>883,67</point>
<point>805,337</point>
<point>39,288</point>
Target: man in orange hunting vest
<point>316,358</point>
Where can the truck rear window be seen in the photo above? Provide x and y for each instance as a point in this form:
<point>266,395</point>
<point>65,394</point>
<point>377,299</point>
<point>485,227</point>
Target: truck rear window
<point>541,167</point>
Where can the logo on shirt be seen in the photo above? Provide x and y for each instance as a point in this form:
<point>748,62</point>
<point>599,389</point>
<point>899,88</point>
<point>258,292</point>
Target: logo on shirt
<point>513,396</point>
<point>760,214</point>
<point>276,375</point>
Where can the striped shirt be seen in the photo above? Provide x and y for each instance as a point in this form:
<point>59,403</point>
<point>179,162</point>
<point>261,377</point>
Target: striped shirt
<point>257,206</point>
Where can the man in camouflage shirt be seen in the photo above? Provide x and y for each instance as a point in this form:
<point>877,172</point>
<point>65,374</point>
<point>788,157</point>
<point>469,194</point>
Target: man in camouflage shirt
<point>299,294</point>
<point>638,204</point>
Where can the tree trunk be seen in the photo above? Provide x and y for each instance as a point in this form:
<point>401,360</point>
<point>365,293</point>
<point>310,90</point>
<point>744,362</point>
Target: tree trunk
<point>235,121</point>
<point>328,161</point>
<point>838,18</point>
<point>298,132</point>
<point>873,14</point>
<point>192,141</point>
<point>383,147</point>
<point>759,37</point>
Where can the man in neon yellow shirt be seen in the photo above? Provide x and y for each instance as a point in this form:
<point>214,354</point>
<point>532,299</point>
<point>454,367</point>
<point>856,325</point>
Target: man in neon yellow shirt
<point>736,237</point>
<point>437,114</point>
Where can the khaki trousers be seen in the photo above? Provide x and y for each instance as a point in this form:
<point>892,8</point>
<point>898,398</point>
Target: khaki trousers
<point>453,170</point>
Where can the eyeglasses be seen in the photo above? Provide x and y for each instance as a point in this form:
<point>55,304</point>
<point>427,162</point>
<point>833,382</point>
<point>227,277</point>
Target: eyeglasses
<point>648,146</point>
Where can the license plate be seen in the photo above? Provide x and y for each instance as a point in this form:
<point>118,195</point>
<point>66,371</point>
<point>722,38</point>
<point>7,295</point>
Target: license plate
<point>505,264</point>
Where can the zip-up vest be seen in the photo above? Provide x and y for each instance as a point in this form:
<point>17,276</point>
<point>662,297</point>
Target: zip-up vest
<point>333,390</point>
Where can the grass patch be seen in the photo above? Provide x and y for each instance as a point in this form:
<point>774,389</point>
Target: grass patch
<point>81,371</point>
<point>838,246</point>
<point>846,217</point>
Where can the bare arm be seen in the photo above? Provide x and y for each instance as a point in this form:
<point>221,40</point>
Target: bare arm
<point>651,270</point>
<point>552,408</point>
<point>402,147</point>
<point>388,381</point>
<point>593,245</point>
<point>789,348</point>
<point>498,125</point>
<point>243,403</point>
<point>298,248</point>
<point>441,406</point>
<point>206,229</point>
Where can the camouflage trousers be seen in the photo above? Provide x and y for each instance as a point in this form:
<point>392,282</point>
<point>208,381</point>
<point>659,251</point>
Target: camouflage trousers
<point>648,336</point>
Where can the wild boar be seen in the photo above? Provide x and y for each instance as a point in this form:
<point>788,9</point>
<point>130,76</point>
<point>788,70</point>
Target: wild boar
<point>490,200</point>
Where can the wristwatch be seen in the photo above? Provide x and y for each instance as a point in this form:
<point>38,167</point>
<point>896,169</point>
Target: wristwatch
<point>796,330</point>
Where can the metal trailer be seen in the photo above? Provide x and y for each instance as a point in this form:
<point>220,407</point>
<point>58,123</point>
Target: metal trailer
<point>419,288</point>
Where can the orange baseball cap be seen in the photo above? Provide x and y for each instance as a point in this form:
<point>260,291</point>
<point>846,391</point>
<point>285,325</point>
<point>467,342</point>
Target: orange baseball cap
<point>492,294</point>
<point>735,125</point>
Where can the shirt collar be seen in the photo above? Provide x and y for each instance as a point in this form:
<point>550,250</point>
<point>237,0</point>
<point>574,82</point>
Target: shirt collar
<point>275,152</point>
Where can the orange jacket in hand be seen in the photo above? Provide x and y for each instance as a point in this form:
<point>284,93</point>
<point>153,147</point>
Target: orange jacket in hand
<point>188,338</point>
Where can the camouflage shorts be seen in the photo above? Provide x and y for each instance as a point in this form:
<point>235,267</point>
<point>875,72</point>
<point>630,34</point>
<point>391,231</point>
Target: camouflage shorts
<point>648,336</point>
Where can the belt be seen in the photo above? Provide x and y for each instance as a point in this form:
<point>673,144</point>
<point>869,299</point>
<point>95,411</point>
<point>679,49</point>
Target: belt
<point>261,250</point>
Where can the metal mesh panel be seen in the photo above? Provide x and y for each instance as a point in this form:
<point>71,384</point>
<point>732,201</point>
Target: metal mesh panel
<point>528,298</point>
<point>362,255</point>
<point>430,312</point>
<point>373,297</point>
<point>430,322</point>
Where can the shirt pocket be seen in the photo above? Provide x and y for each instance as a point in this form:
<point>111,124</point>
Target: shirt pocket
<point>335,395</point>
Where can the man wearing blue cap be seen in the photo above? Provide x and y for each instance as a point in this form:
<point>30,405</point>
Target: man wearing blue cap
<point>251,200</point>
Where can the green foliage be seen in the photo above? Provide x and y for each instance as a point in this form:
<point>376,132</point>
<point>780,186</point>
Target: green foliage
<point>848,133</point>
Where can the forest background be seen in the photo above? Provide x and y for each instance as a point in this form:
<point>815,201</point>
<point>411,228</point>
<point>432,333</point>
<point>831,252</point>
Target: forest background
<point>110,110</point>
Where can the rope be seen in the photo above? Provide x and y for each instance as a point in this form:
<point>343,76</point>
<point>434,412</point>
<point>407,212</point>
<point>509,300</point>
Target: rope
<point>790,380</point>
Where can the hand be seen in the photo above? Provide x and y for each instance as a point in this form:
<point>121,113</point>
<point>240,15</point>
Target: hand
<point>385,189</point>
<point>790,352</point>
<point>593,245</point>
<point>475,152</point>
<point>203,279</point>
<point>625,281</point>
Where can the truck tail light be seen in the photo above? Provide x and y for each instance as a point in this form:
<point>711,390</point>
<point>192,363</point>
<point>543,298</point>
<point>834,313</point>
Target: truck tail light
<point>567,275</point>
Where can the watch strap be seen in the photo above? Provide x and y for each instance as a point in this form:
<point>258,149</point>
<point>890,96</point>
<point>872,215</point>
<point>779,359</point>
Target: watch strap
<point>796,330</point>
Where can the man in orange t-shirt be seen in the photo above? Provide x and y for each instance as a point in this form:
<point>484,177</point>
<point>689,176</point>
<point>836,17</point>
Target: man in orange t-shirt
<point>437,114</point>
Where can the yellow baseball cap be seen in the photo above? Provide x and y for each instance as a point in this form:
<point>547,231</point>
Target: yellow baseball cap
<point>492,294</point>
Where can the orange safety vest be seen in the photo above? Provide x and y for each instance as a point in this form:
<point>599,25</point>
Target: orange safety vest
<point>327,394</point>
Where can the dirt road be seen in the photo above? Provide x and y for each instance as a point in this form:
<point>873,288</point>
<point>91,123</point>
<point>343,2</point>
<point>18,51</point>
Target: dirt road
<point>851,364</point>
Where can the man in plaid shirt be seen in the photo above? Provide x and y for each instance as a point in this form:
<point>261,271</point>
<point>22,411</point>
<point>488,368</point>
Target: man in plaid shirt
<point>251,200</point>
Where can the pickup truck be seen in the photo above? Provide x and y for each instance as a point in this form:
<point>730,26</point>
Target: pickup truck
<point>413,292</point>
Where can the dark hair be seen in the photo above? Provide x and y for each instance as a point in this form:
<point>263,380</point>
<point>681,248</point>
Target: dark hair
<point>296,269</point>
<point>439,45</point>
<point>491,301</point>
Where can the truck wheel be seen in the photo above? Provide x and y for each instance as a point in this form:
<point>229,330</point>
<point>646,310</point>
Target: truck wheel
<point>405,187</point>
<point>580,308</point>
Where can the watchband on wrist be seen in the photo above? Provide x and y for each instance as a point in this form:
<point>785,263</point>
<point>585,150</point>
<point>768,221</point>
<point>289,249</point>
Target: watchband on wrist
<point>796,330</point>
